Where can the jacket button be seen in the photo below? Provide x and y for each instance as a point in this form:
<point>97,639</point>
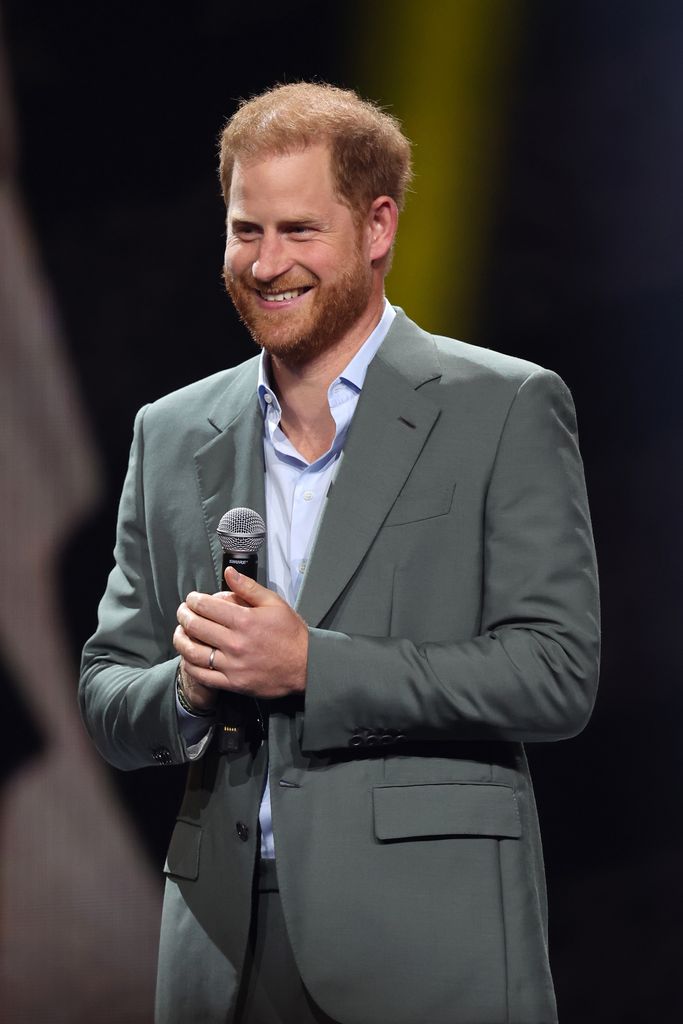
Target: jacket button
<point>242,831</point>
<point>372,739</point>
<point>356,740</point>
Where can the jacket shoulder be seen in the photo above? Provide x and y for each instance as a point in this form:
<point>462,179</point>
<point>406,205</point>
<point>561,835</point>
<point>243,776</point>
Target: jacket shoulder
<point>221,395</point>
<point>414,350</point>
<point>473,360</point>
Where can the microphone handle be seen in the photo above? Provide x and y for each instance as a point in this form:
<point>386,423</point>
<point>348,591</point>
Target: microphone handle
<point>233,719</point>
<point>245,563</point>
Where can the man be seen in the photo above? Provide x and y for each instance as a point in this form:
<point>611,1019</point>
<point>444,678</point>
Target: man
<point>358,840</point>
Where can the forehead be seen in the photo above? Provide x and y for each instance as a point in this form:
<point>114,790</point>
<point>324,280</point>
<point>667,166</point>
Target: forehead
<point>302,178</point>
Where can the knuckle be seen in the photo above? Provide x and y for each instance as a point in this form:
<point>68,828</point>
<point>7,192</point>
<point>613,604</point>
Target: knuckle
<point>179,638</point>
<point>191,623</point>
<point>237,646</point>
<point>248,618</point>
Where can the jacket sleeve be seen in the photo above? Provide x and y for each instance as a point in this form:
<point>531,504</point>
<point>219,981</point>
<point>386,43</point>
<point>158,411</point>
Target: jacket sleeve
<point>127,692</point>
<point>531,673</point>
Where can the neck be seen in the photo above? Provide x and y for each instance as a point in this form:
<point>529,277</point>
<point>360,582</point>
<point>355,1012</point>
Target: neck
<point>302,390</point>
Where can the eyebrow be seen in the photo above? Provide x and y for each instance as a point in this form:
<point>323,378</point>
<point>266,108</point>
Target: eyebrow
<point>301,220</point>
<point>242,222</point>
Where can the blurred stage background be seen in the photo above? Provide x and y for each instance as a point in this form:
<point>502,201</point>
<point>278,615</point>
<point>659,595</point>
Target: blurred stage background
<point>546,221</point>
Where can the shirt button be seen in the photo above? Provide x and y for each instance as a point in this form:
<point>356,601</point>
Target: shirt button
<point>267,398</point>
<point>302,566</point>
<point>307,495</point>
<point>242,831</point>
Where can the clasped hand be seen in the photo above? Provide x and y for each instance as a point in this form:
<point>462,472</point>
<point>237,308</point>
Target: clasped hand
<point>261,644</point>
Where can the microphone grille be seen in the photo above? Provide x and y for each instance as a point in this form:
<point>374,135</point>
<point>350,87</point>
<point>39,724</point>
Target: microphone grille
<point>241,529</point>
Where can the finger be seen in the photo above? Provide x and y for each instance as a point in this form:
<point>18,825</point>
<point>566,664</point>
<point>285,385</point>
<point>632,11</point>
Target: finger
<point>197,657</point>
<point>199,626</point>
<point>249,590</point>
<point>216,609</point>
<point>195,653</point>
<point>227,595</point>
<point>196,663</point>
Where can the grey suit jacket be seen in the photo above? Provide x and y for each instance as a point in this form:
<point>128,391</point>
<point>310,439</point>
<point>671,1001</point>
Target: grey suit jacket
<point>452,605</point>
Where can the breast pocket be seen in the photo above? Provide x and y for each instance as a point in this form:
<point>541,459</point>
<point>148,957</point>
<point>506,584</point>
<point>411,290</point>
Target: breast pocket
<point>445,809</point>
<point>427,502</point>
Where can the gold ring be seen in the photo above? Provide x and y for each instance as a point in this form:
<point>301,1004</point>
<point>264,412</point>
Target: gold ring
<point>211,657</point>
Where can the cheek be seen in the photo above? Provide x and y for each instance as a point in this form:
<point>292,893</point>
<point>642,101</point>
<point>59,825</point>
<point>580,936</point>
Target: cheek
<point>326,266</point>
<point>236,259</point>
<point>231,265</point>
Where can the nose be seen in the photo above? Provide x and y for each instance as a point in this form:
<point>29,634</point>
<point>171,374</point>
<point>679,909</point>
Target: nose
<point>272,259</point>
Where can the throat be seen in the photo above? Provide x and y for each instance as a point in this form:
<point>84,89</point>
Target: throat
<point>306,419</point>
<point>311,439</point>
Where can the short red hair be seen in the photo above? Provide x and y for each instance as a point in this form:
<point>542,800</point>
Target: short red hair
<point>370,154</point>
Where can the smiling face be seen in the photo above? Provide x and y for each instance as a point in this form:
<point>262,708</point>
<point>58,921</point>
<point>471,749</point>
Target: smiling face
<point>298,267</point>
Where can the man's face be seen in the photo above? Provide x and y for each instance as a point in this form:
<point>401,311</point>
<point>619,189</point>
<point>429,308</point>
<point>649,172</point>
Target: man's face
<point>297,266</point>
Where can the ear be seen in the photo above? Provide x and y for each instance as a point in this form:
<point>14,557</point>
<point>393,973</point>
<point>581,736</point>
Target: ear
<point>382,224</point>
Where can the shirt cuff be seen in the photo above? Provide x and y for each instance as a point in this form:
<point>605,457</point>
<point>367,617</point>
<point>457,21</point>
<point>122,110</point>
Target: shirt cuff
<point>195,731</point>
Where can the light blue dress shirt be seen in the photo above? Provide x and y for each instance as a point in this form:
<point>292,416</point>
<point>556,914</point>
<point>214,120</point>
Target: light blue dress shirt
<point>295,498</point>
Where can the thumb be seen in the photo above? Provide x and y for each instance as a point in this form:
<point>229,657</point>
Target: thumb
<point>251,592</point>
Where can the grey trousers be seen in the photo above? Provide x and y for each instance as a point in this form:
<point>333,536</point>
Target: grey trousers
<point>272,991</point>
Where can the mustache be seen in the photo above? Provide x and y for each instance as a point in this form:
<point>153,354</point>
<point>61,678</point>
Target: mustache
<point>283,283</point>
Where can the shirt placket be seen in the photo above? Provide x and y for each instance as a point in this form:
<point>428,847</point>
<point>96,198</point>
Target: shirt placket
<point>305,508</point>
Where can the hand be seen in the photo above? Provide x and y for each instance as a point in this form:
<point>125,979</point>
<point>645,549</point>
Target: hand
<point>261,644</point>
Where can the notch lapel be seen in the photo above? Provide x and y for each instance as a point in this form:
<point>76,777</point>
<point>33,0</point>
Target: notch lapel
<point>229,468</point>
<point>389,430</point>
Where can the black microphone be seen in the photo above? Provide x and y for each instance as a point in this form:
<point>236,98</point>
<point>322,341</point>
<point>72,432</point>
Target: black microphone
<point>241,532</point>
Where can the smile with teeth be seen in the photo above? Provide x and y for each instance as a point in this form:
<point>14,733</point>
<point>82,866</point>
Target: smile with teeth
<point>293,293</point>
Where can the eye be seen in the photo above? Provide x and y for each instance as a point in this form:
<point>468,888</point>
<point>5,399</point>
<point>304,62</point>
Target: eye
<point>300,230</point>
<point>245,232</point>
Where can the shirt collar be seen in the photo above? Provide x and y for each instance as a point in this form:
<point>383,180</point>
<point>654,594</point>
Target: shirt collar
<point>353,373</point>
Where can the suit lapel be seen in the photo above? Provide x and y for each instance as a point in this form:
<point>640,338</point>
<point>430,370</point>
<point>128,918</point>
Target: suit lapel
<point>390,427</point>
<point>230,470</point>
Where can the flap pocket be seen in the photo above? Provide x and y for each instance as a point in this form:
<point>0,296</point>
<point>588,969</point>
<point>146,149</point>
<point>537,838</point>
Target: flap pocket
<point>445,809</point>
<point>183,851</point>
<point>414,505</point>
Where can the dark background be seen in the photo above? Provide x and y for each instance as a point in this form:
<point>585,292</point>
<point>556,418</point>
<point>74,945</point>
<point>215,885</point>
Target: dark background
<point>118,108</point>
